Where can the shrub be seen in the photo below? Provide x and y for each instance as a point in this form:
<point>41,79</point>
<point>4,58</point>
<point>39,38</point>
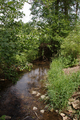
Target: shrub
<point>70,47</point>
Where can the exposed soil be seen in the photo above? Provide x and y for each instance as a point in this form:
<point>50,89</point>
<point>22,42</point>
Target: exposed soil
<point>71,70</point>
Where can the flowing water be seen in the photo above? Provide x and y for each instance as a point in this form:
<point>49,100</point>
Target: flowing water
<point>18,102</point>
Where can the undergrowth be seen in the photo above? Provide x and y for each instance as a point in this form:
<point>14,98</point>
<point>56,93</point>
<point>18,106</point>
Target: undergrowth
<point>61,86</point>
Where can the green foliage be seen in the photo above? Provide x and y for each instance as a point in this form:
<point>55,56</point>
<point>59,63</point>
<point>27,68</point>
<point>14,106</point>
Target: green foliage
<point>17,48</point>
<point>61,86</point>
<point>70,47</point>
<point>53,21</point>
<point>9,48</point>
<point>10,10</point>
<point>29,41</point>
<point>9,36</point>
<point>2,117</point>
<point>18,41</point>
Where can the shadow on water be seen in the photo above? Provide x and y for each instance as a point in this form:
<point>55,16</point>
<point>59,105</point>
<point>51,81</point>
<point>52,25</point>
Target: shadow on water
<point>18,102</point>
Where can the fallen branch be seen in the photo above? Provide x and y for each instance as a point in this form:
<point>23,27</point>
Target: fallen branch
<point>36,115</point>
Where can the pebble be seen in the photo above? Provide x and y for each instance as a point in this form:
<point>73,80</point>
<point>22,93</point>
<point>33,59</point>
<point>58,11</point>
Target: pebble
<point>75,104</point>
<point>34,92</point>
<point>42,96</point>
<point>65,118</point>
<point>57,111</point>
<point>74,118</point>
<point>34,108</point>
<point>41,111</point>
<point>38,94</point>
<point>2,79</point>
<point>7,117</point>
<point>62,114</point>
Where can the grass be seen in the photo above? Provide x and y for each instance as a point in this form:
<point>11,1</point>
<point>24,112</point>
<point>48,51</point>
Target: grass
<point>61,86</point>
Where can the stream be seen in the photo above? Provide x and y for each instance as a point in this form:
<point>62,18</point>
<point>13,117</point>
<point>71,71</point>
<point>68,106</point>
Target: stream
<point>17,101</point>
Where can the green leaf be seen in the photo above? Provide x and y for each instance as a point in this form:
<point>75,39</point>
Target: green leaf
<point>11,2</point>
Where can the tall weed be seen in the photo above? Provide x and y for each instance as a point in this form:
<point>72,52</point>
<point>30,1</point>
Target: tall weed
<point>61,86</point>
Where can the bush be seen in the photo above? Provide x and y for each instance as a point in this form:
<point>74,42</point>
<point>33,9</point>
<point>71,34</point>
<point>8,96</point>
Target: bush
<point>61,86</point>
<point>70,47</point>
<point>16,49</point>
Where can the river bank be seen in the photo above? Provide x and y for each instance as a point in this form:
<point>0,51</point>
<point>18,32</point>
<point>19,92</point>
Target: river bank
<point>18,102</point>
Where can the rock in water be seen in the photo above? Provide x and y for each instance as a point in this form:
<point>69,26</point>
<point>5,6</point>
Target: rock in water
<point>34,108</point>
<point>34,92</point>
<point>38,94</point>
<point>43,96</point>
<point>41,111</point>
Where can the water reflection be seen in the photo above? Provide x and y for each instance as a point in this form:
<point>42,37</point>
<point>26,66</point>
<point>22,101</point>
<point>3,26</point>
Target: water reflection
<point>28,80</point>
<point>16,100</point>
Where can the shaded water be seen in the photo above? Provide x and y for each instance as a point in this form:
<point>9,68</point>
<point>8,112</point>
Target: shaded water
<point>18,102</point>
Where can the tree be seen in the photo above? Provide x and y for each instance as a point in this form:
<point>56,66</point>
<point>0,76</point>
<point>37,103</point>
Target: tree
<point>9,35</point>
<point>10,10</point>
<point>55,19</point>
<point>70,47</point>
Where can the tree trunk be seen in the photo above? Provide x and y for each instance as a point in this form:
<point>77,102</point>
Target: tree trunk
<point>65,8</point>
<point>76,8</point>
<point>57,7</point>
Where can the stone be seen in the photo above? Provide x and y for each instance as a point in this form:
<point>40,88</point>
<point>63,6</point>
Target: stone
<point>38,94</point>
<point>65,118</point>
<point>75,119</point>
<point>34,92</point>
<point>41,111</point>
<point>7,117</point>
<point>62,114</point>
<point>34,108</point>
<point>57,111</point>
<point>43,96</point>
<point>76,104</point>
<point>2,79</point>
